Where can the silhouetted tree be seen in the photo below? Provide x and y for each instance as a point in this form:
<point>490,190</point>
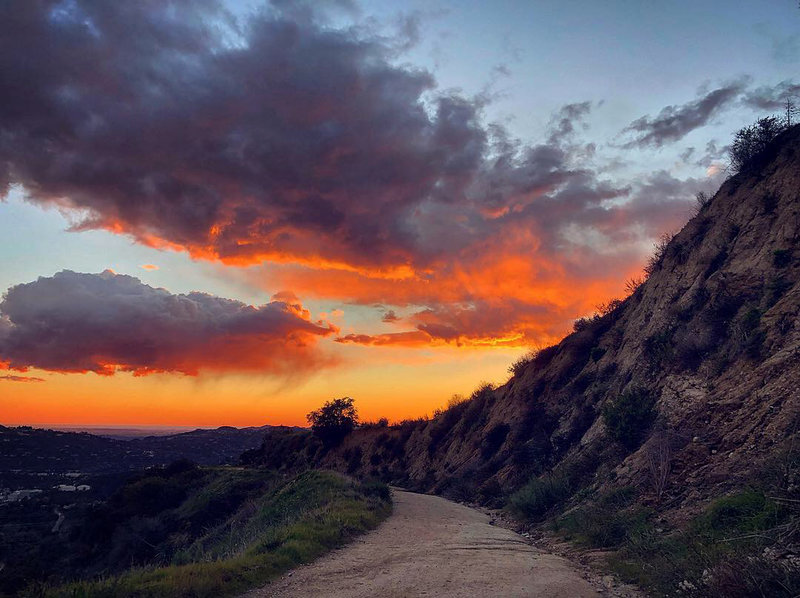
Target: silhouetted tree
<point>791,110</point>
<point>332,422</point>
<point>751,141</point>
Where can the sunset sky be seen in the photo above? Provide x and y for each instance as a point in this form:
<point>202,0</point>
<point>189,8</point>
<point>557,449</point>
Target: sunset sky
<point>226,213</point>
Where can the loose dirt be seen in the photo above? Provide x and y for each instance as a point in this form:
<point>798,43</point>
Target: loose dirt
<point>433,547</point>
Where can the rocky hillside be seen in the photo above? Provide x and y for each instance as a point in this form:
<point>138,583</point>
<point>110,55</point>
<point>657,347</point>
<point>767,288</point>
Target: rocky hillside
<point>701,364</point>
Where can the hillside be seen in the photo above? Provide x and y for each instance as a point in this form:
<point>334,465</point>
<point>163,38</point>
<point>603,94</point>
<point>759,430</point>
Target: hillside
<point>711,338</point>
<point>185,530</point>
<point>686,390</point>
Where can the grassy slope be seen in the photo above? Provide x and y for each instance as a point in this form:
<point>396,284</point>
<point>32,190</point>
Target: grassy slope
<point>294,524</point>
<point>741,545</point>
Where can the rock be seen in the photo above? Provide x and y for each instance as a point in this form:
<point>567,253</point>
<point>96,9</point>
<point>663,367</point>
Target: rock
<point>686,586</point>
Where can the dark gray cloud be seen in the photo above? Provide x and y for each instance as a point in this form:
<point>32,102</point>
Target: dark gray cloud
<point>390,316</point>
<point>11,378</point>
<point>278,137</point>
<point>675,122</point>
<point>105,322</point>
<point>772,97</point>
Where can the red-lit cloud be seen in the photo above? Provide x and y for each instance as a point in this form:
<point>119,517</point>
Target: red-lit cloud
<point>106,323</point>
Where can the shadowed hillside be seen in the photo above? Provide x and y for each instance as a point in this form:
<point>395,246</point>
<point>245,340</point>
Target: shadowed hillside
<point>684,391</point>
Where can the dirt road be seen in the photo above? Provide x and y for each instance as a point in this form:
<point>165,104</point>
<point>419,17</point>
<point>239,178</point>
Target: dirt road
<point>433,547</point>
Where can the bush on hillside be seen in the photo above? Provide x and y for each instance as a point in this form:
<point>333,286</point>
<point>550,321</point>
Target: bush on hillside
<point>629,417</point>
<point>749,142</point>
<point>539,495</point>
<point>659,251</point>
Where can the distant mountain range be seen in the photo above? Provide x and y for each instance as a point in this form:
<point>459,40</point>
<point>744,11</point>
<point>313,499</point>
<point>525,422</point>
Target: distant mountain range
<point>125,433</point>
<point>27,449</point>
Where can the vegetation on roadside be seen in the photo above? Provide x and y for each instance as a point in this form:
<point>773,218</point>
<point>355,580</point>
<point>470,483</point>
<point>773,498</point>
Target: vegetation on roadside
<point>294,522</point>
<point>742,544</point>
<point>735,548</point>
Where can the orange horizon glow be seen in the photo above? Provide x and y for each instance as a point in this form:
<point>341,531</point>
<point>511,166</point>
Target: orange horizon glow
<point>401,385</point>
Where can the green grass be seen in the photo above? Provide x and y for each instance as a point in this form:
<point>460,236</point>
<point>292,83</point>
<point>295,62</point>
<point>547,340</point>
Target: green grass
<point>291,525</point>
<point>720,553</point>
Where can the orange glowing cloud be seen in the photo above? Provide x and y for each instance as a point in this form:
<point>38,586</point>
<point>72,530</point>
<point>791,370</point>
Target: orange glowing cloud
<point>149,267</point>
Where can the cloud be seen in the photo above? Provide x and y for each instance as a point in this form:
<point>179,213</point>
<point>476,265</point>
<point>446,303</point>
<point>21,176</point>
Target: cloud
<point>106,323</point>
<point>675,122</point>
<point>772,97</point>
<point>284,141</point>
<point>562,124</point>
<point>10,378</point>
<point>149,267</point>
<point>271,139</point>
<point>390,316</point>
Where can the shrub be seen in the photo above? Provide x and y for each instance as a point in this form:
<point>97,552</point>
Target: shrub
<point>701,199</point>
<point>750,142</point>
<point>490,491</point>
<point>332,422</point>
<point>731,549</point>
<point>539,495</point>
<point>582,324</point>
<point>746,511</point>
<point>781,258</point>
<point>769,201</point>
<point>521,364</point>
<point>659,251</point>
<point>354,457</point>
<point>494,439</point>
<point>629,417</point>
<point>776,289</point>
<point>377,489</point>
<point>597,353</point>
<point>150,495</point>
<point>632,284</point>
<point>658,347</point>
<point>601,526</point>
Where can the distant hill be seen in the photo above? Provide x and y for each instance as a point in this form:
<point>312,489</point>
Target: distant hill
<point>122,433</point>
<point>26,449</point>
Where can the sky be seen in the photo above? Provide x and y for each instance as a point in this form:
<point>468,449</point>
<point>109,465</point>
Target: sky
<point>227,213</point>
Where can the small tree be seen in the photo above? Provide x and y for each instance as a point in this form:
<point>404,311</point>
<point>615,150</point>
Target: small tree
<point>791,110</point>
<point>659,461</point>
<point>332,422</point>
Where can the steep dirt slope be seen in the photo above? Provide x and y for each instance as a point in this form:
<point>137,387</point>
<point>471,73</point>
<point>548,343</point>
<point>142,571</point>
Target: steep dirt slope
<point>711,338</point>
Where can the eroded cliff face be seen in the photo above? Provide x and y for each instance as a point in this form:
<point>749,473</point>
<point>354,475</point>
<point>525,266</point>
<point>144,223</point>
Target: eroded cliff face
<point>711,338</point>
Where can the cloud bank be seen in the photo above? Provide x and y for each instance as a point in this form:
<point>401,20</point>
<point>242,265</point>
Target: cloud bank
<point>284,141</point>
<point>106,323</point>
